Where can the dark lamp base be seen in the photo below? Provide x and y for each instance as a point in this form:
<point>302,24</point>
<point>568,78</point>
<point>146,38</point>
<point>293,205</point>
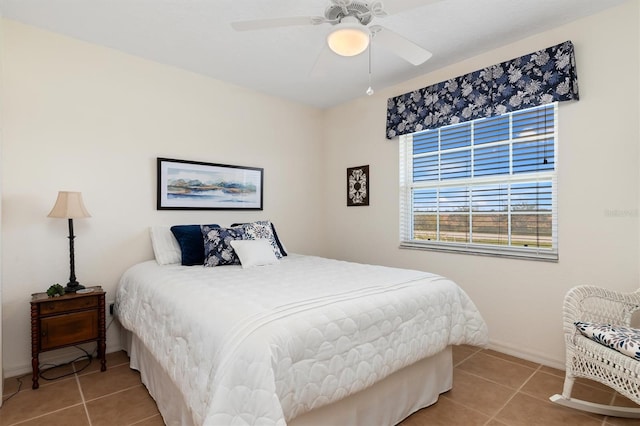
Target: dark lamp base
<point>73,287</point>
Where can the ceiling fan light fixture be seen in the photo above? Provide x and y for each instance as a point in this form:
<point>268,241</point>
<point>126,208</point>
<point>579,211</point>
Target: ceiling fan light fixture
<point>348,38</point>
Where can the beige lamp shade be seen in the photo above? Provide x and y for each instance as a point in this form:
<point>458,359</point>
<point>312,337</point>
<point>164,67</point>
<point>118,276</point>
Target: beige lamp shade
<point>69,205</point>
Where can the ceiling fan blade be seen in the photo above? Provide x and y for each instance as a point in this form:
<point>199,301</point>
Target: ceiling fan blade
<point>390,7</point>
<point>259,24</point>
<point>399,45</point>
<point>322,65</point>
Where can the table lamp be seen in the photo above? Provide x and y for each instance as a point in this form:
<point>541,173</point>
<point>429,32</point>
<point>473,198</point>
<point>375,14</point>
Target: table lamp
<point>69,205</point>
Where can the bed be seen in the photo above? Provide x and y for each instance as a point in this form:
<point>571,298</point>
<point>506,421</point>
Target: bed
<point>304,340</point>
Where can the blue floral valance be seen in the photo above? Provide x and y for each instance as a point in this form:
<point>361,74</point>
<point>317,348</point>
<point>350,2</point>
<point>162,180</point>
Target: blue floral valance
<point>538,78</point>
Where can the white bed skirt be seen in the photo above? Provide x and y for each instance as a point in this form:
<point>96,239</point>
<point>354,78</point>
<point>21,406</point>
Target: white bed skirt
<point>385,403</point>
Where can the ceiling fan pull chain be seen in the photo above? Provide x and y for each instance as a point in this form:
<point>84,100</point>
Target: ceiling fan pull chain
<point>369,89</point>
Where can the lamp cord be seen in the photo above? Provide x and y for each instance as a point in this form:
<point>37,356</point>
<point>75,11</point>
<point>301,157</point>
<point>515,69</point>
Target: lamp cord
<point>42,372</point>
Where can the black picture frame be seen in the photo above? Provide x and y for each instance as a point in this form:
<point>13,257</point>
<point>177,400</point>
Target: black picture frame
<point>358,186</point>
<point>196,185</point>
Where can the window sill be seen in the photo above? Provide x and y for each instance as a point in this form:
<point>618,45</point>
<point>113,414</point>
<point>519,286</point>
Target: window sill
<point>482,250</point>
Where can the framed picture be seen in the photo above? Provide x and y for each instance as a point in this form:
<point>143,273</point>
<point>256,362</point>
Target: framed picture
<point>358,186</point>
<point>193,185</point>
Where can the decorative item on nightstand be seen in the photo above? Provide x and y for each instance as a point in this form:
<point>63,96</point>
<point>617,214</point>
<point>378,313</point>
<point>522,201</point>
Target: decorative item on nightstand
<point>69,205</point>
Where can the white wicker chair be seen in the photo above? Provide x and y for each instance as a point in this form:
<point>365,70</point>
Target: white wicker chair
<point>591,360</point>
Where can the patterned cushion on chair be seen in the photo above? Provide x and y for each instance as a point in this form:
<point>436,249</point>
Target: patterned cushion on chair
<point>625,340</point>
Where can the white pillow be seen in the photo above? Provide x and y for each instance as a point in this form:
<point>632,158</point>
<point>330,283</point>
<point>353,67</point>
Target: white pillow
<point>254,252</point>
<point>165,245</point>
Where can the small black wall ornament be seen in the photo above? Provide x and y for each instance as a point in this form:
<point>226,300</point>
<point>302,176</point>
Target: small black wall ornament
<point>358,186</point>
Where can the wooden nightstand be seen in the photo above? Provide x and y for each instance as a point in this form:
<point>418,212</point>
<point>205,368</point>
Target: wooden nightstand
<point>67,320</point>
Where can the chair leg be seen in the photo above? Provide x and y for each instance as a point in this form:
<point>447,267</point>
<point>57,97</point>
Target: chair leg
<point>578,404</point>
<point>568,386</point>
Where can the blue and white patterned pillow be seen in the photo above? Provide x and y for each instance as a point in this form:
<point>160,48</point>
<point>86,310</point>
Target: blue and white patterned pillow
<point>625,340</point>
<point>217,247</point>
<point>262,229</point>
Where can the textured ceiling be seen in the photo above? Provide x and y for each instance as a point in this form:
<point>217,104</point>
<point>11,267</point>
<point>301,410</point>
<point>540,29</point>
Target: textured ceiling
<point>293,62</point>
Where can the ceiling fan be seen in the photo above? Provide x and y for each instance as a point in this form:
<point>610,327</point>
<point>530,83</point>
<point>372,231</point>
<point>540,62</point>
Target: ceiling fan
<point>352,33</point>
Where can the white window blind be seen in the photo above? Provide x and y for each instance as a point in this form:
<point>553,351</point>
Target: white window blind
<point>486,186</point>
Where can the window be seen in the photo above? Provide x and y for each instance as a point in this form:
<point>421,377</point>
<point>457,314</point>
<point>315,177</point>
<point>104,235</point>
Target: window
<point>486,186</point>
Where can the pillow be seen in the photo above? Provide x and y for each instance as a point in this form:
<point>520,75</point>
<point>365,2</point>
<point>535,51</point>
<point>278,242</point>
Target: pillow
<point>191,243</point>
<point>622,339</point>
<point>280,245</point>
<point>165,246</point>
<point>217,248</point>
<point>254,252</point>
<point>263,229</point>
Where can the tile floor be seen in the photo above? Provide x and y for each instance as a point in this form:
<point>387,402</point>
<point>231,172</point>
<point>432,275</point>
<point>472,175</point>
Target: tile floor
<point>489,388</point>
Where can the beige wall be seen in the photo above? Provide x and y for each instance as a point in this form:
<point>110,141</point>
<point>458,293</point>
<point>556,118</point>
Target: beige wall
<point>87,118</point>
<point>597,175</point>
<point>1,133</point>
<point>81,117</point>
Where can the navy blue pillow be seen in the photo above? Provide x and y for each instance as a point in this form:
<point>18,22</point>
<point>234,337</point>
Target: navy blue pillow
<point>191,243</point>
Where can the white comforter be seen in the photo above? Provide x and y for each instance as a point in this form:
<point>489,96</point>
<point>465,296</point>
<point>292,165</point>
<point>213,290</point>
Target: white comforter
<point>263,345</point>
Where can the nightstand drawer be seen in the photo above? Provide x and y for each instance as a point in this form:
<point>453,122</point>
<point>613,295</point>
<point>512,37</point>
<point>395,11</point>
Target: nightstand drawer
<point>56,306</point>
<point>68,329</point>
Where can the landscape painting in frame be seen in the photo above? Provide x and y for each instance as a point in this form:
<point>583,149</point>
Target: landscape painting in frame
<point>193,185</point>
